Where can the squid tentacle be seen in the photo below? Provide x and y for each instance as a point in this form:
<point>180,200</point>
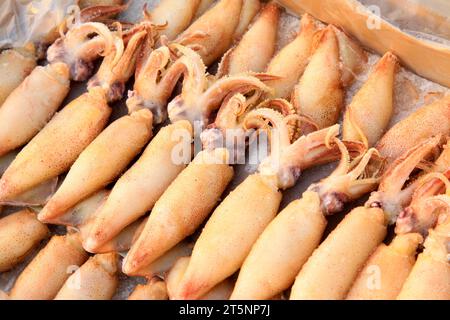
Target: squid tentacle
<point>392,195</point>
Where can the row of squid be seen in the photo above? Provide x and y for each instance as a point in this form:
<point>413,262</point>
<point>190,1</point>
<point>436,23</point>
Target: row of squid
<point>299,91</point>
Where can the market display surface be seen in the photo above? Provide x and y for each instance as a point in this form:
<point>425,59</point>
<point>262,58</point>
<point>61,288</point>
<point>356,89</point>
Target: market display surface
<point>218,150</point>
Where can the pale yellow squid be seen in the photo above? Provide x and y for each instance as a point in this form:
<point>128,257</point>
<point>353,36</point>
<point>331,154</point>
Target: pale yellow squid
<point>20,233</point>
<point>427,121</point>
<point>326,275</point>
<point>389,266</point>
<point>212,34</point>
<point>240,218</point>
<point>199,101</point>
<point>386,269</point>
<point>96,279</point>
<point>44,276</point>
<point>17,63</point>
<point>290,62</point>
<point>176,214</point>
<point>369,113</point>
<point>298,229</point>
<point>289,240</point>
<point>430,276</point>
<point>175,15</point>
<point>39,96</point>
<point>252,54</point>
<point>56,147</point>
<point>333,65</point>
<point>421,215</point>
<point>221,291</point>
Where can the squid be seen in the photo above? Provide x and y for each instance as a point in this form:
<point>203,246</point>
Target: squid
<point>157,75</point>
<point>332,268</point>
<point>254,203</point>
<point>422,124</point>
<point>101,162</point>
<point>195,108</point>
<point>421,214</point>
<point>290,62</point>
<point>176,15</point>
<point>17,63</point>
<point>20,233</point>
<point>176,214</point>
<point>212,33</point>
<point>430,276</point>
<point>96,279</point>
<point>154,289</point>
<point>387,269</point>
<point>335,61</point>
<point>249,10</point>
<point>138,188</point>
<point>369,113</point>
<point>33,103</point>
<point>47,272</point>
<point>56,147</point>
<point>222,291</point>
<point>15,66</point>
<point>252,54</point>
<point>198,106</point>
<point>289,240</point>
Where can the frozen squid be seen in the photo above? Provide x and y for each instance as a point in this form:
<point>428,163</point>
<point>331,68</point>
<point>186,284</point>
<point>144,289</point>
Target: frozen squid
<point>47,272</point>
<point>175,14</point>
<point>370,111</point>
<point>222,291</point>
<point>325,76</point>
<point>427,121</point>
<point>252,54</point>
<point>56,147</point>
<point>157,75</point>
<point>101,162</point>
<point>20,233</point>
<point>212,33</point>
<point>53,150</point>
<point>242,216</point>
<point>386,270</point>
<point>177,213</point>
<point>31,105</point>
<point>290,62</point>
<point>289,240</point>
<point>140,187</point>
<point>333,267</point>
<point>430,276</point>
<point>96,279</point>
